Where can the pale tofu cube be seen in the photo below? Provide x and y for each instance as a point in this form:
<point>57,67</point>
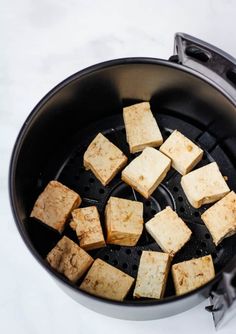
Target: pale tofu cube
<point>152,275</point>
<point>141,127</point>
<point>168,230</point>
<point>86,223</point>
<point>183,153</point>
<point>124,221</point>
<point>104,159</point>
<point>220,218</point>
<point>69,259</point>
<point>54,205</point>
<point>204,185</point>
<point>190,275</point>
<point>106,281</point>
<point>146,172</point>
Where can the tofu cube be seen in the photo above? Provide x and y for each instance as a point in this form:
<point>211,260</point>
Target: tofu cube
<point>104,159</point>
<point>86,223</point>
<point>168,230</point>
<point>183,153</point>
<point>190,275</point>
<point>220,218</point>
<point>124,221</point>
<point>69,259</point>
<point>152,275</point>
<point>141,127</point>
<point>204,185</point>
<point>55,204</point>
<point>106,281</point>
<point>146,172</point>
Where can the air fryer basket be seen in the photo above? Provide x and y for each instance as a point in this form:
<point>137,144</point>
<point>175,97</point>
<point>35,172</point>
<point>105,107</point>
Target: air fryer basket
<point>56,134</point>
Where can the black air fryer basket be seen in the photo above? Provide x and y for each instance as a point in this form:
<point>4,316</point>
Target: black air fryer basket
<point>194,92</point>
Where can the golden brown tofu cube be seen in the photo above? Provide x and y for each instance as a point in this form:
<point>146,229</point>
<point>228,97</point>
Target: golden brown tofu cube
<point>124,221</point>
<point>183,153</point>
<point>220,218</point>
<point>106,281</point>
<point>168,230</point>
<point>190,275</point>
<point>141,127</point>
<point>86,223</point>
<point>152,275</point>
<point>69,259</point>
<point>104,159</point>
<point>55,204</point>
<point>146,172</point>
<point>204,185</point>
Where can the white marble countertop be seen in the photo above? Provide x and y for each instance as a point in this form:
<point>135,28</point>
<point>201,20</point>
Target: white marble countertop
<point>42,43</point>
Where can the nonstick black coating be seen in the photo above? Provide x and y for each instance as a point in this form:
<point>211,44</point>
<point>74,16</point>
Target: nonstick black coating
<point>73,174</point>
<point>54,137</point>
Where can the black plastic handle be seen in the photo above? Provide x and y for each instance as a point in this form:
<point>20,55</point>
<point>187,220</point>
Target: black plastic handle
<point>219,67</point>
<point>207,59</point>
<point>223,295</point>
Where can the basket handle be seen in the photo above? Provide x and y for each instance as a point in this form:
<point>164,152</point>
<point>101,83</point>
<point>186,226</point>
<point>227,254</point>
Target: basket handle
<point>220,68</point>
<point>223,295</point>
<point>207,59</point>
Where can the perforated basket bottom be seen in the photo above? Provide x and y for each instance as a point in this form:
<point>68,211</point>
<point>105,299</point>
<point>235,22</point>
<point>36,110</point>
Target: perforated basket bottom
<point>169,192</point>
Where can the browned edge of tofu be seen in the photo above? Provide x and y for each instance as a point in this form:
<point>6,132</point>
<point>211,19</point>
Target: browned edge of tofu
<point>37,211</point>
<point>63,258</point>
<point>84,235</point>
<point>185,274</point>
<point>99,281</point>
<point>138,148</point>
<point>105,182</point>
<point>166,276</point>
<point>228,202</point>
<point>144,191</point>
<point>121,238</point>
